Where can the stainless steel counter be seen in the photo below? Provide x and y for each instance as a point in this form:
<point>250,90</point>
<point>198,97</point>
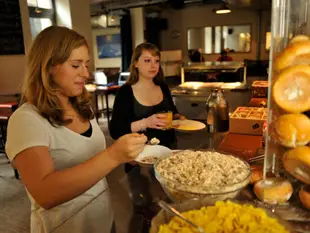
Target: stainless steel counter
<point>192,103</point>
<point>197,81</point>
<point>190,97</point>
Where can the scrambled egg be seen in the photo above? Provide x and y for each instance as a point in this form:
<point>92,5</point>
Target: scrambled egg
<point>226,217</point>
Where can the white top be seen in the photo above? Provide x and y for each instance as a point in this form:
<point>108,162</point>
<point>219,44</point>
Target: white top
<point>90,212</point>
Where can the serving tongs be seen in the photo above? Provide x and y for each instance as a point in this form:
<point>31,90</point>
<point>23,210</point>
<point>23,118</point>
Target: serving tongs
<point>260,156</point>
<point>256,159</point>
<point>165,206</point>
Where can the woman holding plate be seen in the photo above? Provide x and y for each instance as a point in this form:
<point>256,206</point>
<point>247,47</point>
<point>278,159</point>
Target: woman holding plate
<point>144,102</point>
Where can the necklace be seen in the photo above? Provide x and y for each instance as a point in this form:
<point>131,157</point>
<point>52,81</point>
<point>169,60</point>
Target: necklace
<point>71,114</point>
<point>72,117</point>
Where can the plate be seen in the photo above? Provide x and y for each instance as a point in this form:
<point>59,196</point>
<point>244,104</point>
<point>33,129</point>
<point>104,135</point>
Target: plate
<point>187,125</point>
<point>152,151</point>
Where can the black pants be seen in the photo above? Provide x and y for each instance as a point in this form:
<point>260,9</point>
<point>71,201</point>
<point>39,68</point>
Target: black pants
<point>113,229</point>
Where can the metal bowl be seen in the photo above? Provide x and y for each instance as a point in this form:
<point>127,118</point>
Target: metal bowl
<point>164,217</point>
<point>179,192</point>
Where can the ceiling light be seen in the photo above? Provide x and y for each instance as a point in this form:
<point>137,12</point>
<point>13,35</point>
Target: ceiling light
<point>37,10</point>
<point>223,9</point>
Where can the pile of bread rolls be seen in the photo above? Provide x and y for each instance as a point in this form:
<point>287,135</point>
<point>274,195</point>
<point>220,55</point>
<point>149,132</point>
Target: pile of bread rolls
<point>290,127</point>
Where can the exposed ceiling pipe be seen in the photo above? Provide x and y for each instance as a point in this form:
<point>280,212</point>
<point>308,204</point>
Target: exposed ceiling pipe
<point>118,5</point>
<point>133,4</point>
<point>112,7</point>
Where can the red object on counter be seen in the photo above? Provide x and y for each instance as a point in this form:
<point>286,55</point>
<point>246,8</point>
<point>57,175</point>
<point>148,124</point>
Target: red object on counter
<point>241,145</point>
<point>258,102</point>
<point>259,88</point>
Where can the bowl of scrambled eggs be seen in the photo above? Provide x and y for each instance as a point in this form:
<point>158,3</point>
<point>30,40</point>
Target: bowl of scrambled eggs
<point>219,217</point>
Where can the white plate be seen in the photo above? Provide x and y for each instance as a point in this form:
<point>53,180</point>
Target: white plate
<point>152,150</point>
<point>187,125</point>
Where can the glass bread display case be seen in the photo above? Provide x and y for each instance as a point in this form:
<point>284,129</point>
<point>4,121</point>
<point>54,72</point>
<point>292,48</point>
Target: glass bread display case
<point>287,153</point>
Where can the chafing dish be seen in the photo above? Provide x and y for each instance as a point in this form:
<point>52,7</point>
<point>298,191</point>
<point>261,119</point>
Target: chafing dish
<point>197,81</point>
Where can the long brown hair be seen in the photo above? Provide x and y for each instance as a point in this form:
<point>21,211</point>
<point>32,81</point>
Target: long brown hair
<point>134,72</point>
<point>51,47</point>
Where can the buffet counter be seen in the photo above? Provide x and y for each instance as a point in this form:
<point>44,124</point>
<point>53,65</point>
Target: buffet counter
<point>137,191</point>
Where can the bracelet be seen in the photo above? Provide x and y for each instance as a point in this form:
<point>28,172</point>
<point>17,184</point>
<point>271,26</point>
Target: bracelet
<point>143,125</point>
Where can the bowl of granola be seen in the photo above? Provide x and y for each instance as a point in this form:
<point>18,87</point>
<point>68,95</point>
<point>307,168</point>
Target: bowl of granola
<point>151,154</point>
<point>189,174</point>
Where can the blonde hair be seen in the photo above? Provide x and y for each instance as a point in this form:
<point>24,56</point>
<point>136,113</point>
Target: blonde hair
<point>134,72</point>
<point>51,47</point>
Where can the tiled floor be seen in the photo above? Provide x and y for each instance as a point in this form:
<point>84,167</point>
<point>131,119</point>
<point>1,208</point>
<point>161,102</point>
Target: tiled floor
<point>15,206</point>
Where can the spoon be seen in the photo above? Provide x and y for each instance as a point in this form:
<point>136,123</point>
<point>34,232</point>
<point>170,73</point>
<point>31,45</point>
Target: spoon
<point>167,207</point>
<point>153,141</point>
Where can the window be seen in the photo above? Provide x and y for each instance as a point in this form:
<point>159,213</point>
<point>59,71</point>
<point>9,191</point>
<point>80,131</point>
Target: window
<point>218,39</point>
<point>234,38</point>
<point>237,38</point>
<point>268,41</point>
<point>200,38</point>
<point>42,15</point>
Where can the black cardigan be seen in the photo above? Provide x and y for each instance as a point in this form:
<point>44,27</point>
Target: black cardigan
<point>123,110</point>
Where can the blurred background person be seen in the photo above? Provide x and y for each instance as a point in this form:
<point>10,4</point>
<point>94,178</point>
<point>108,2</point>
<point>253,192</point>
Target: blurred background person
<point>139,103</point>
<point>224,56</point>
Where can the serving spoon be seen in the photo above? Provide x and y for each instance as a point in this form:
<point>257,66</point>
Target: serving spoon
<point>167,207</point>
<point>153,141</point>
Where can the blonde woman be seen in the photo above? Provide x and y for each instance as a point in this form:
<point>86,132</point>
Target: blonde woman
<point>56,144</point>
<point>139,102</point>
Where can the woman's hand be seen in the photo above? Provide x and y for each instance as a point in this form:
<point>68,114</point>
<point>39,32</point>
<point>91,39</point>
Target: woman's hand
<point>178,116</point>
<point>128,147</point>
<point>156,121</point>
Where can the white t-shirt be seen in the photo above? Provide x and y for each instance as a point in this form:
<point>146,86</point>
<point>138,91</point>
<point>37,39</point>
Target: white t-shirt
<point>90,212</point>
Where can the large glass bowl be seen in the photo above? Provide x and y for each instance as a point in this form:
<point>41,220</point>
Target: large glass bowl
<point>164,217</point>
<point>179,192</point>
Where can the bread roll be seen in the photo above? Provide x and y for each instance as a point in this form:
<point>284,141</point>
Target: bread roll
<point>304,196</point>
<point>273,190</point>
<point>292,130</point>
<point>297,163</point>
<point>303,59</point>
<point>299,38</point>
<point>291,89</point>
<point>257,173</point>
<point>289,54</point>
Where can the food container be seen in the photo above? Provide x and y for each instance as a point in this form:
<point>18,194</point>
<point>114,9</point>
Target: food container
<point>259,89</point>
<point>179,192</point>
<point>248,120</point>
<point>164,217</point>
<point>258,102</point>
<point>287,151</point>
<point>242,145</point>
<point>304,195</point>
<point>150,154</point>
